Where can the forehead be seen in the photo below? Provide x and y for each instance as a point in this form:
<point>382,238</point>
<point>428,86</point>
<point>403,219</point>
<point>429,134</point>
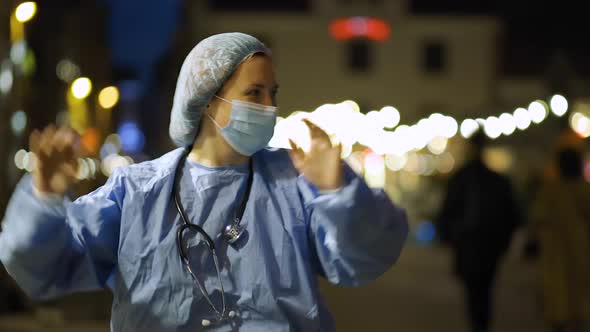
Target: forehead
<point>256,69</point>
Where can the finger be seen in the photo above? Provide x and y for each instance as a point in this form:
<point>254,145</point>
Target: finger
<point>338,148</point>
<point>297,162</point>
<point>62,139</point>
<point>58,141</point>
<point>296,149</point>
<point>65,143</point>
<point>297,155</point>
<point>315,130</point>
<point>320,141</point>
<point>72,140</point>
<point>70,170</point>
<point>45,143</point>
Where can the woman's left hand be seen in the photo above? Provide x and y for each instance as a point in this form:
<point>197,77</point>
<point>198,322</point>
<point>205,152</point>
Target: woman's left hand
<point>321,165</point>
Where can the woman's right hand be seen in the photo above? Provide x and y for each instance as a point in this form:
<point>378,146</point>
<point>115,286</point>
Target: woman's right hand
<point>56,164</point>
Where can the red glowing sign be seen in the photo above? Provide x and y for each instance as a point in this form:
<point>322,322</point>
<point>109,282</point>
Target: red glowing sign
<point>360,27</point>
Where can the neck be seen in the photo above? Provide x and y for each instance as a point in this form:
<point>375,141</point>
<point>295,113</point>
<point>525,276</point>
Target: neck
<point>211,149</point>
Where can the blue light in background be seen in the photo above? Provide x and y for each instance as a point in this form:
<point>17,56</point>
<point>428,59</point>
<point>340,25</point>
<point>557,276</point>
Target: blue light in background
<point>132,138</point>
<point>425,232</point>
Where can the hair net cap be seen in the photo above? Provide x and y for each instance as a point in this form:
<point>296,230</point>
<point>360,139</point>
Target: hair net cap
<point>204,71</point>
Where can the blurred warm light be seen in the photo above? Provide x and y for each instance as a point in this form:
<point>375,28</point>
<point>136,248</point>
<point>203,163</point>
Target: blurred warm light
<point>508,124</point>
<point>446,162</point>
<point>537,111</point>
<point>345,124</point>
<point>412,163</point>
<point>375,170</point>
<point>580,124</point>
<point>410,182</point>
<point>360,27</point>
<point>522,117</point>
<point>81,87</point>
<point>374,119</point>
<point>108,97</point>
<point>468,127</point>
<point>25,11</point>
<point>395,163</point>
<point>90,140</point>
<point>498,159</point>
<point>451,127</point>
<point>559,105</point>
<point>353,105</point>
<point>493,127</point>
<point>389,116</point>
<point>29,161</point>
<point>112,162</point>
<point>438,145</point>
<point>19,158</point>
<point>427,165</point>
<point>112,145</point>
<point>83,169</point>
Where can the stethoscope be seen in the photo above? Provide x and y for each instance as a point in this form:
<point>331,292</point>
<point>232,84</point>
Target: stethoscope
<point>232,233</point>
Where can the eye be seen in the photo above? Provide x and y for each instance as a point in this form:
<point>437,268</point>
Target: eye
<point>253,93</point>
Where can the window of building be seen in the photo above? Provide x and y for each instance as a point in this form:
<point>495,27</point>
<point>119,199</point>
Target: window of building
<point>359,55</point>
<point>434,57</point>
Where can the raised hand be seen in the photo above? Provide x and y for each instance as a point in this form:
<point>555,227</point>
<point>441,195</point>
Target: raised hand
<point>56,163</point>
<point>322,165</point>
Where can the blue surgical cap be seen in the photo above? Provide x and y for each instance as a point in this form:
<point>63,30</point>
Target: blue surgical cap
<point>203,73</point>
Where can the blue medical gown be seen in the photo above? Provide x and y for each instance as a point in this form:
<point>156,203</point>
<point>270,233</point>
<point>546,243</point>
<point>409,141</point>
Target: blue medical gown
<point>123,236</point>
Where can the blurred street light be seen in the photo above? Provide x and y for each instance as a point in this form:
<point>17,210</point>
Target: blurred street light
<point>559,105</point>
<point>508,124</point>
<point>537,111</point>
<point>81,87</point>
<point>108,97</point>
<point>523,118</point>
<point>493,127</point>
<point>468,127</point>
<point>25,11</point>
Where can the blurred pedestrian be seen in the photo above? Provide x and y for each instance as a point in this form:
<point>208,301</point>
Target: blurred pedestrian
<point>561,221</point>
<point>477,220</point>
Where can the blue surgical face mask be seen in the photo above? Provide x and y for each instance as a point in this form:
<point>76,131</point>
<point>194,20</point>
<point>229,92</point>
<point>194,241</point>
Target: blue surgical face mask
<point>250,128</point>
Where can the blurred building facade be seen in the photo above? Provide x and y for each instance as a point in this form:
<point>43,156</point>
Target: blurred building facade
<point>427,64</point>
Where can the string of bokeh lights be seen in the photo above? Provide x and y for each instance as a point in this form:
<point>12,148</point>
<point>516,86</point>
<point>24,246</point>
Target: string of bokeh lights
<point>390,143</point>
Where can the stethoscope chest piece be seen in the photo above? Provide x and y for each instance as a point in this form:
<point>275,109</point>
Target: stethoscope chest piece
<point>233,233</point>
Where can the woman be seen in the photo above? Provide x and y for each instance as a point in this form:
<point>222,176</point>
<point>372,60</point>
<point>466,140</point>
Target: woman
<point>275,222</point>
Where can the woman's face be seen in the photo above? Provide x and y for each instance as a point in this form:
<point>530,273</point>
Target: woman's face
<point>253,81</point>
